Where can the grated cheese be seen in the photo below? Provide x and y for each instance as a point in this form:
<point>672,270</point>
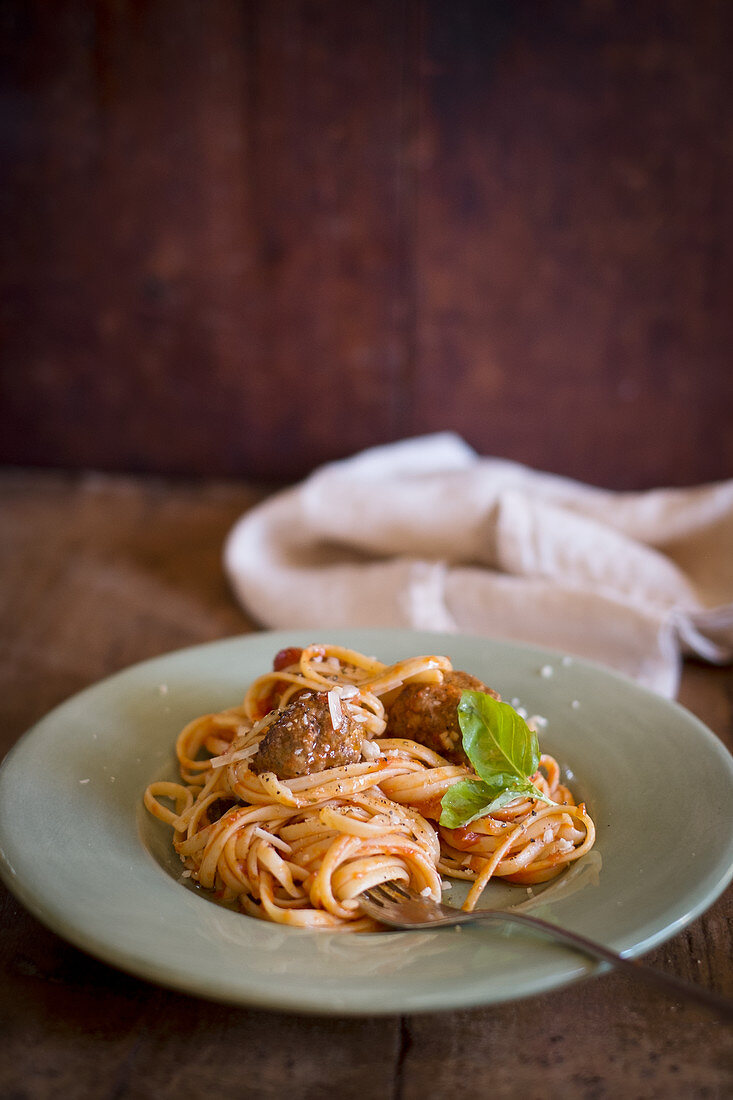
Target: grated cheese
<point>232,757</point>
<point>276,841</point>
<point>334,705</point>
<point>346,691</point>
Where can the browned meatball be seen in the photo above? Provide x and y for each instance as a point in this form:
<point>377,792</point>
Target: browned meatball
<point>427,713</point>
<point>302,740</point>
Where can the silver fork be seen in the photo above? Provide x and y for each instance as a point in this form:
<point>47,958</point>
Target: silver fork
<point>401,907</point>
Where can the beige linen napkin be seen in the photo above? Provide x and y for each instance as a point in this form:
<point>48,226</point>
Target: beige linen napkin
<point>426,534</point>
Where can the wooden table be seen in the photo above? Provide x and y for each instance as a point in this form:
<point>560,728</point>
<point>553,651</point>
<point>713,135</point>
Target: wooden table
<point>99,572</point>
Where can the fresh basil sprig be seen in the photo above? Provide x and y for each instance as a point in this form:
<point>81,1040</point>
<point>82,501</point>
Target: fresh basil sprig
<point>504,753</point>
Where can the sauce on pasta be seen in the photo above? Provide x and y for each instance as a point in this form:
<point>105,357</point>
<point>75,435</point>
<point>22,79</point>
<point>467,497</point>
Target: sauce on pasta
<point>328,779</point>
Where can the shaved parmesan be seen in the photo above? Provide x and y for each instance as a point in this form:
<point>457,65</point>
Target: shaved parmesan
<point>232,757</point>
<point>276,841</point>
<point>334,705</point>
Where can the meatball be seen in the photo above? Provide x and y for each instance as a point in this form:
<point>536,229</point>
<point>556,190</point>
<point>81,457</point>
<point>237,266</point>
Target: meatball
<point>427,713</point>
<point>303,740</point>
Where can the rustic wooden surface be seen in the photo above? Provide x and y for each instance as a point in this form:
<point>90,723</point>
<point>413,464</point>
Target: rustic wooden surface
<point>97,572</point>
<point>245,237</point>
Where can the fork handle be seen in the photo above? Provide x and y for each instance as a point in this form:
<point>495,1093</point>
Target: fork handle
<point>638,970</point>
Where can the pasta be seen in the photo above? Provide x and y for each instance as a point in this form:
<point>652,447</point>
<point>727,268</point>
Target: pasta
<point>345,809</point>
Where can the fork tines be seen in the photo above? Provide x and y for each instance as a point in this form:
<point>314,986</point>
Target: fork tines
<point>390,892</point>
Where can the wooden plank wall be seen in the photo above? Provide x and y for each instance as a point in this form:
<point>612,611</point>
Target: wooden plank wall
<point>242,238</point>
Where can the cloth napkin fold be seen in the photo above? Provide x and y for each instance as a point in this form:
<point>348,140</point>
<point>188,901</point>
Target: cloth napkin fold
<point>427,534</point>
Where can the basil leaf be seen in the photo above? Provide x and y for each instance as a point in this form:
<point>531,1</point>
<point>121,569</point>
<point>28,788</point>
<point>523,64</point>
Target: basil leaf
<point>504,753</point>
<point>470,799</point>
<point>495,738</point>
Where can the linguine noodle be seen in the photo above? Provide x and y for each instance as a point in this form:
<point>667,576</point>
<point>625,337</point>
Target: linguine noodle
<point>299,851</point>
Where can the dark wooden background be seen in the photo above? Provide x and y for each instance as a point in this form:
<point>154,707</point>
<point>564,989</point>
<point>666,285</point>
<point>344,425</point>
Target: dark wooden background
<point>241,238</point>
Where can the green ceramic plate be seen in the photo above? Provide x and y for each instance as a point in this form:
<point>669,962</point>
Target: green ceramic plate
<point>80,852</point>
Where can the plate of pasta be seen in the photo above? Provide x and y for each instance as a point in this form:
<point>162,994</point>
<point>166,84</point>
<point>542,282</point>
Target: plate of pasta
<point>208,819</point>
